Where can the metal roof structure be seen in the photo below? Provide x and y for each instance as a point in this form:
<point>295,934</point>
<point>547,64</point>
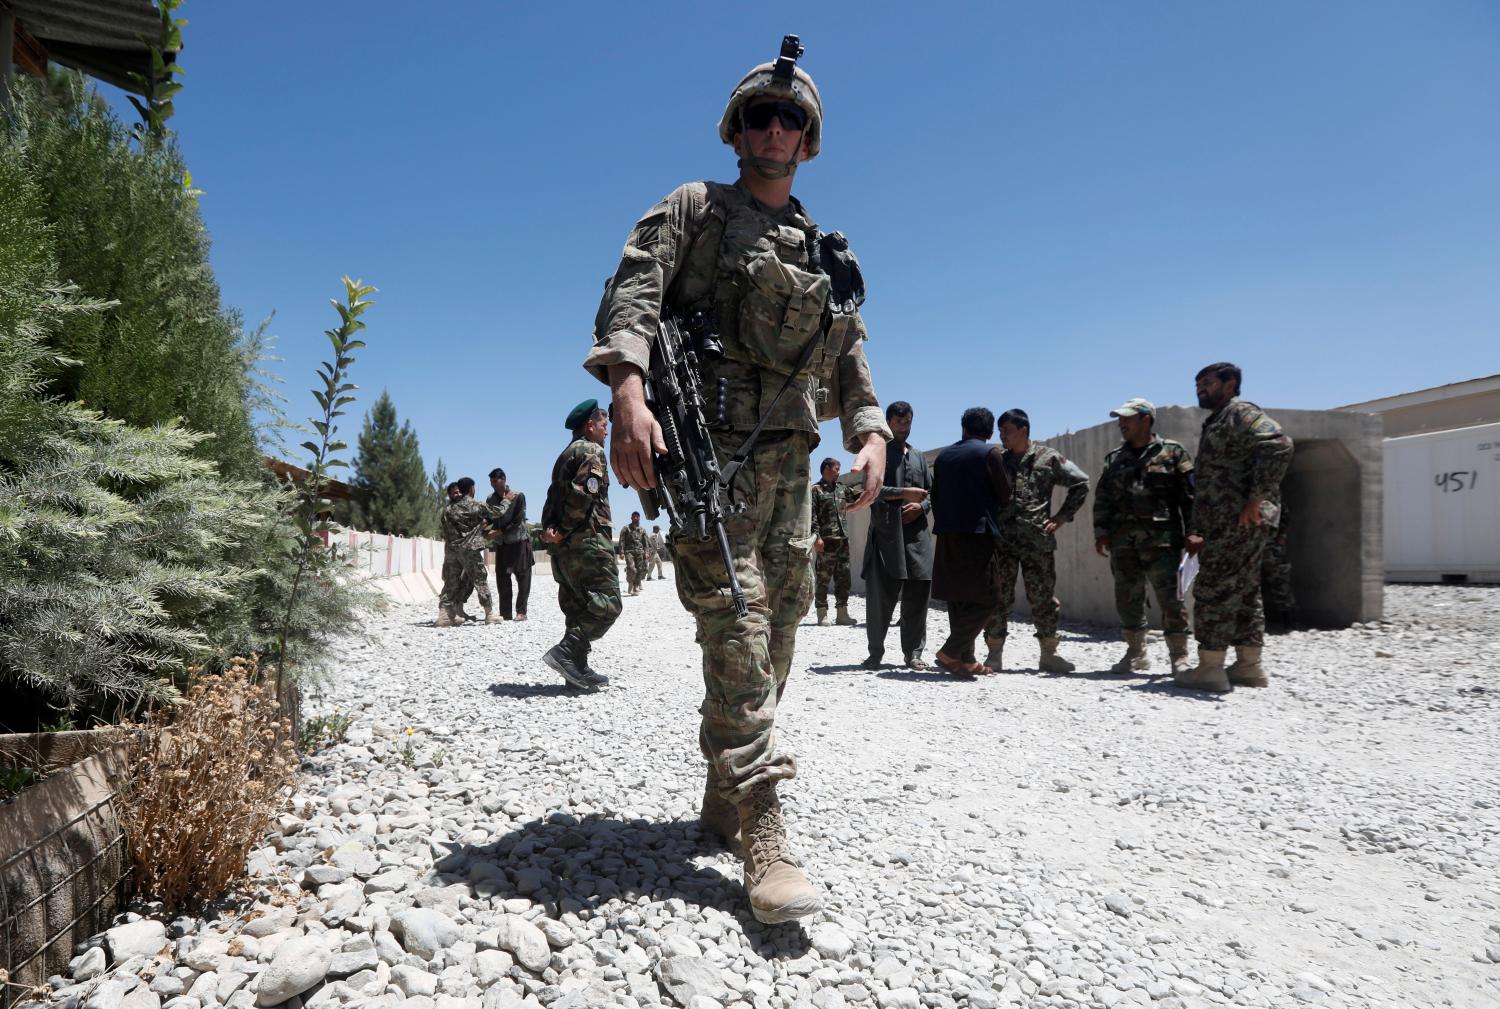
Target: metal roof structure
<point>110,40</point>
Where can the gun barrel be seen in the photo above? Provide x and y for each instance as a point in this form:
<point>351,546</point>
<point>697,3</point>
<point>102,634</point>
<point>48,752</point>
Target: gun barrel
<point>735,592</point>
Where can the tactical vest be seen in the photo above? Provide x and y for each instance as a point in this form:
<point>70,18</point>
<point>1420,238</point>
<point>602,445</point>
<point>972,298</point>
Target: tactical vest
<point>753,273</point>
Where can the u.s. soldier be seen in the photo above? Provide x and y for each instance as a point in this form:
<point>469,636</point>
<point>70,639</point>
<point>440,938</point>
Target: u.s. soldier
<point>1141,507</point>
<point>749,253</point>
<point>576,528</point>
<point>830,523</point>
<point>1242,457</point>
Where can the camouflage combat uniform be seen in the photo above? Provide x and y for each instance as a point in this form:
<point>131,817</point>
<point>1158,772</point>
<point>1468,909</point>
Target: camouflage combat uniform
<point>831,525</point>
<point>1024,548</point>
<point>583,564</point>
<point>714,246</point>
<point>464,522</point>
<point>636,547</point>
<point>1142,505</point>
<point>1276,573</point>
<point>1242,453</point>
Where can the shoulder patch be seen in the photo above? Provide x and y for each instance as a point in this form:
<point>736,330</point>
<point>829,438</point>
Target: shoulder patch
<point>1265,425</point>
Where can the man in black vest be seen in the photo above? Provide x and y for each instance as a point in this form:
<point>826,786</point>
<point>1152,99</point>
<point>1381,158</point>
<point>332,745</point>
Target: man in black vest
<point>898,556</point>
<point>969,487</point>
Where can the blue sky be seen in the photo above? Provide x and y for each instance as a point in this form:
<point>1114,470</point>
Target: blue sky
<point>1057,205</point>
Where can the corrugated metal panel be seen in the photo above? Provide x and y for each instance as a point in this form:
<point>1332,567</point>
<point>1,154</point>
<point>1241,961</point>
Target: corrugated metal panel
<point>110,24</point>
<point>1442,505</point>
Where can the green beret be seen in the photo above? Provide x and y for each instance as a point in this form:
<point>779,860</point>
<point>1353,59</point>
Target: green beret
<point>580,414</point>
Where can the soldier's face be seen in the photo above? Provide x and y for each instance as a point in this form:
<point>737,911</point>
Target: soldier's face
<point>775,142</point>
<point>597,430</point>
<point>497,485</point>
<point>1135,428</point>
<point>900,426</point>
<point>831,472</point>
<point>454,494</point>
<point>1015,439</point>
<point>1213,392</point>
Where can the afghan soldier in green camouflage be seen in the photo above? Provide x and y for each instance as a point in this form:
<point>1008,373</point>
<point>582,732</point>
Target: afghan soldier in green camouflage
<point>1028,541</point>
<point>455,587</point>
<point>576,528</point>
<point>1276,575</point>
<point>743,252</point>
<point>465,522</point>
<point>1141,507</point>
<point>636,547</point>
<point>830,523</point>
<point>1242,457</point>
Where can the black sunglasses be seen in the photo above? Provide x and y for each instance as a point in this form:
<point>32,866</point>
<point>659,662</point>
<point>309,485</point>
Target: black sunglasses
<point>758,117</point>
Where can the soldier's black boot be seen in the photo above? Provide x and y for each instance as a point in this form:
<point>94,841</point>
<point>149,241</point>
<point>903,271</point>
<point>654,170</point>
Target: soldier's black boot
<point>567,658</point>
<point>597,678</point>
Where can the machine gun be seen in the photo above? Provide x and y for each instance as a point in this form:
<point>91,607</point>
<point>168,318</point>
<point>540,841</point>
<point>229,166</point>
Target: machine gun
<point>689,486</point>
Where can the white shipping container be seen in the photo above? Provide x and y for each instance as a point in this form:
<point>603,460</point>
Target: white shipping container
<point>1442,506</point>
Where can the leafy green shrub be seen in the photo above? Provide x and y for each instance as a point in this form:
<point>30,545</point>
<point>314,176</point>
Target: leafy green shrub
<point>125,226</point>
<point>114,540</point>
<point>324,730</point>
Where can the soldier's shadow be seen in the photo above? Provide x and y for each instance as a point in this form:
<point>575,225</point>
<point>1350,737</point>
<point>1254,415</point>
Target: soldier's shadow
<point>1163,685</point>
<point>522,691</point>
<point>831,670</point>
<point>567,864</point>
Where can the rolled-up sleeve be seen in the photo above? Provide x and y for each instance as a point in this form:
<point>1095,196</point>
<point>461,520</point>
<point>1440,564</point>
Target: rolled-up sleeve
<point>859,409</point>
<point>630,310</point>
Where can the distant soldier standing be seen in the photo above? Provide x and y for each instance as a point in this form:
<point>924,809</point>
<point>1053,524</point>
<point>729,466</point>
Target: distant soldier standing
<point>1028,537</point>
<point>455,589</point>
<point>513,555</point>
<point>752,255</point>
<point>1141,508</point>
<point>576,527</point>
<point>1276,574</point>
<point>1242,457</point>
<point>830,505</point>
<point>636,547</point>
<point>658,551</point>
<point>465,522</point>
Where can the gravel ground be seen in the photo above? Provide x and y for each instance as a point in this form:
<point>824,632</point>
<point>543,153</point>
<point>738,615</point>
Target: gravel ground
<point>486,838</point>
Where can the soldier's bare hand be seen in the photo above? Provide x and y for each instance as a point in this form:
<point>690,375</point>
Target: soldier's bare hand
<point>1250,515</point>
<point>1101,546</point>
<point>551,535</point>
<point>871,463</point>
<point>818,544</point>
<point>1192,545</point>
<point>1052,526</point>
<point>910,512</point>
<point>917,494</point>
<point>636,434</point>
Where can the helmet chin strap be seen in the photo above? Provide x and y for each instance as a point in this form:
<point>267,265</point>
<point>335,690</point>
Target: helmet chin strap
<point>769,168</point>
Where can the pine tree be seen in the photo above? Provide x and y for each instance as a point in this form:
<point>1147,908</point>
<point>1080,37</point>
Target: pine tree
<point>439,487</point>
<point>391,494</point>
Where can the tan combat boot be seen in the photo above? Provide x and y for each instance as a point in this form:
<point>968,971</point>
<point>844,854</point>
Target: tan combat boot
<point>996,647</point>
<point>779,891</point>
<point>1177,651</point>
<point>1051,662</point>
<point>1135,659</point>
<point>718,817</point>
<point>1246,670</point>
<point>1209,673</point>
<point>844,619</point>
<point>822,616</point>
<point>444,618</point>
<point>489,616</point>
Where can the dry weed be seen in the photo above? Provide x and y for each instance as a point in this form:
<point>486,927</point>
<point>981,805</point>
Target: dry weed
<point>209,774</point>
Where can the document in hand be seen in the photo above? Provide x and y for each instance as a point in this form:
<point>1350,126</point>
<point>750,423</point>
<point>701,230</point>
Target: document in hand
<point>1186,572</point>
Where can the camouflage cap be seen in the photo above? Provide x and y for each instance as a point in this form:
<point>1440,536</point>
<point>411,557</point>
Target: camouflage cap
<point>760,82</point>
<point>1132,407</point>
<point>580,414</point>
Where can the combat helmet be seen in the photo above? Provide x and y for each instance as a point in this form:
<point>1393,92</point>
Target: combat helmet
<point>781,79</point>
